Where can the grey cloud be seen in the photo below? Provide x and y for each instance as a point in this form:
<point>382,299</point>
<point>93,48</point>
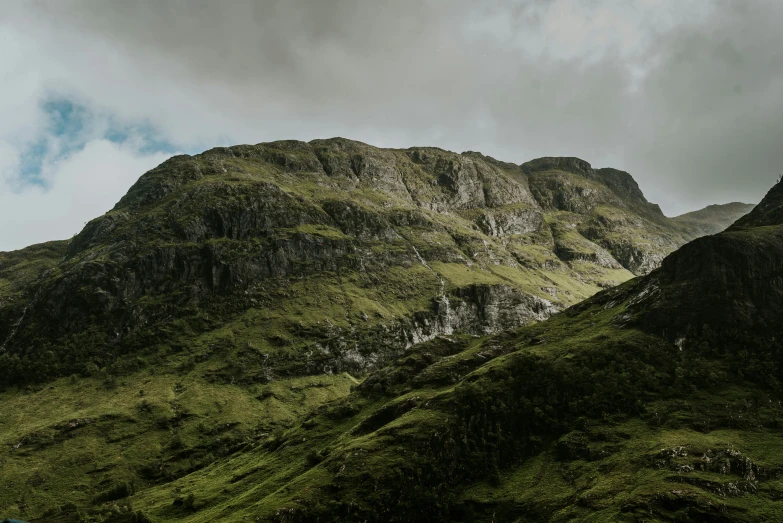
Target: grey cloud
<point>686,97</point>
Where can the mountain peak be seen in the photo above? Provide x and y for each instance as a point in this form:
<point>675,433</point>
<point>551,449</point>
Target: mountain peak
<point>558,163</point>
<point>270,276</point>
<point>768,212</point>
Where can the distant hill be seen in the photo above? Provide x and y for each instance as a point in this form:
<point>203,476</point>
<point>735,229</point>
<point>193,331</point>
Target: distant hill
<point>714,218</point>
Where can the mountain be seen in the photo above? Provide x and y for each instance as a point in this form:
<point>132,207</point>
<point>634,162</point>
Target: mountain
<point>333,248</point>
<point>713,218</point>
<point>231,294</point>
<point>657,400</point>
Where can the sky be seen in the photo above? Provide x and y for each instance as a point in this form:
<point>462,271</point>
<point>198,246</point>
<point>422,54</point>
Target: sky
<point>686,96</point>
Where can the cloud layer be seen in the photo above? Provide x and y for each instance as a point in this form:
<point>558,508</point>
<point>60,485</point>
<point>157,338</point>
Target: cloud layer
<point>685,96</point>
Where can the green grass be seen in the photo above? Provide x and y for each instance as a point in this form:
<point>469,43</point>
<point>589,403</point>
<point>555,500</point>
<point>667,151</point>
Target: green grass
<point>68,442</point>
<point>317,230</point>
<point>601,462</point>
<point>632,472</point>
<point>18,269</point>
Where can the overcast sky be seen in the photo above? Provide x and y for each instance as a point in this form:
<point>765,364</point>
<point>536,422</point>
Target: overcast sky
<point>686,96</point>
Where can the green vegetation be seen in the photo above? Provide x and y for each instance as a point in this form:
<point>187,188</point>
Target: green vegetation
<point>582,417</point>
<point>573,418</point>
<point>290,332</point>
<point>88,444</point>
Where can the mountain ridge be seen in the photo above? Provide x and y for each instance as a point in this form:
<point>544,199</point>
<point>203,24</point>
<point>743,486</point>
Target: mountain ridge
<point>209,226</point>
<point>230,297</point>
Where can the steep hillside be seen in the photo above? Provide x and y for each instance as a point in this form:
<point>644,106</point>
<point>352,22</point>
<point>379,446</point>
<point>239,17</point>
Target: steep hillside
<point>604,208</point>
<point>19,269</point>
<point>658,400</point>
<point>231,293</point>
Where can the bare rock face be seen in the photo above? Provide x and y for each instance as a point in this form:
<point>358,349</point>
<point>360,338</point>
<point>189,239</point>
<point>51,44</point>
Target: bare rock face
<point>367,250</point>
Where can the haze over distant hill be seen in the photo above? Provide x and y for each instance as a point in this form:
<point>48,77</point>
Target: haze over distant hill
<point>714,218</point>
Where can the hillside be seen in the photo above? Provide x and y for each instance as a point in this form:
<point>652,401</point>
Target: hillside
<point>713,218</point>
<point>231,293</point>
<point>657,400</point>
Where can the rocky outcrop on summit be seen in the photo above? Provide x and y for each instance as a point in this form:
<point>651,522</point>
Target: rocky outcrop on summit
<point>621,184</point>
<point>605,207</point>
<point>351,237</point>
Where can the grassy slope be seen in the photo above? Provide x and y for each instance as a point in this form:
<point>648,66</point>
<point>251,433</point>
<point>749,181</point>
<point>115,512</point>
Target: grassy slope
<point>19,269</point>
<point>94,441</point>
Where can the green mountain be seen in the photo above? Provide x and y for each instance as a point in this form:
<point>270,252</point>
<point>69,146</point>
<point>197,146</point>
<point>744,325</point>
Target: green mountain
<point>657,400</point>
<point>167,358</point>
<point>335,249</point>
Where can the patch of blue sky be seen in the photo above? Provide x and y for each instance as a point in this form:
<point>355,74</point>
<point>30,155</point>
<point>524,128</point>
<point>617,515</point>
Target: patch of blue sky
<point>71,126</point>
<point>150,141</point>
<point>31,162</point>
<point>65,118</point>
